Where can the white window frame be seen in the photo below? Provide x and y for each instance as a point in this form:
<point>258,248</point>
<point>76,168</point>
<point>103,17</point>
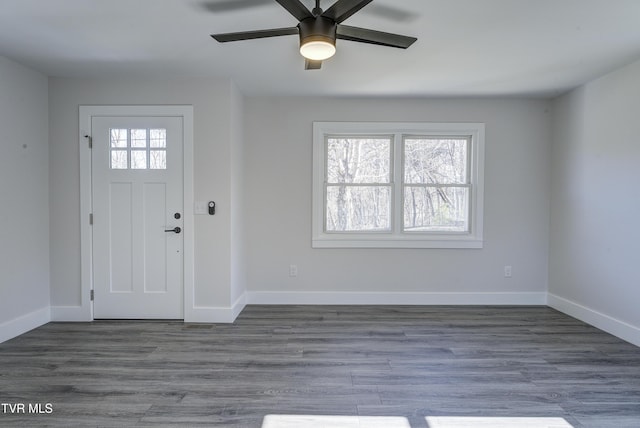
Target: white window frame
<point>396,238</point>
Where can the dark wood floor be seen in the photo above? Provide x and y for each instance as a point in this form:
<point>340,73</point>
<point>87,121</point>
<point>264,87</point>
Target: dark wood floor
<point>407,362</point>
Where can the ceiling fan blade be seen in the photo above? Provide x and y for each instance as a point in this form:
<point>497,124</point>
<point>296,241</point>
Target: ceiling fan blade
<point>296,8</point>
<point>232,5</point>
<point>342,9</point>
<point>312,65</point>
<point>363,35</point>
<point>258,34</point>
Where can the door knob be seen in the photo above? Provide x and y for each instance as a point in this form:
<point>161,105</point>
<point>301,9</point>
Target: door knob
<point>174,230</point>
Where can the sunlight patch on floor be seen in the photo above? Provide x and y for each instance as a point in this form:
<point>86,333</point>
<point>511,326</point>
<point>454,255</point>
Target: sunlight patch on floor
<point>321,421</point>
<point>489,422</point>
<point>330,421</point>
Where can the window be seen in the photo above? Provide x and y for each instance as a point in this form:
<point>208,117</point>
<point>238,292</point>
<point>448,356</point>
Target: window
<point>138,148</point>
<point>397,185</point>
<point>436,184</point>
<point>358,184</point>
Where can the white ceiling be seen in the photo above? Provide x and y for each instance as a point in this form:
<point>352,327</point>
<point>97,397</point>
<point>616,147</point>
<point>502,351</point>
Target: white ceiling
<point>465,47</point>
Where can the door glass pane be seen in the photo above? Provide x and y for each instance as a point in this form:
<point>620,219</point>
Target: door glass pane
<point>158,138</point>
<point>158,159</point>
<point>436,209</point>
<point>118,159</point>
<point>358,160</point>
<point>358,208</point>
<point>435,160</point>
<point>139,138</point>
<point>118,137</point>
<point>138,159</point>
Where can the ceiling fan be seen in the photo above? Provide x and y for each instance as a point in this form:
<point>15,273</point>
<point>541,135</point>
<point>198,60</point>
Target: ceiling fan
<point>318,30</point>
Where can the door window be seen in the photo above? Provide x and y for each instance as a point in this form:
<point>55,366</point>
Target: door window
<point>138,148</point>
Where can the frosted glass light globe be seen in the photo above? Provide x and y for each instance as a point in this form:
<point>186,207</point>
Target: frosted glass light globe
<point>317,50</point>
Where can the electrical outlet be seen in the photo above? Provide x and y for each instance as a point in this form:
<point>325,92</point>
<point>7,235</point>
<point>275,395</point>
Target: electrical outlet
<point>293,270</point>
<point>507,271</point>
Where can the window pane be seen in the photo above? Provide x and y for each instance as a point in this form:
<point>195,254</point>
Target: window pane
<point>434,209</point>
<point>118,159</point>
<point>139,138</point>
<point>358,160</point>
<point>158,137</point>
<point>158,159</point>
<point>358,208</point>
<point>118,137</point>
<point>138,159</point>
<point>435,160</point>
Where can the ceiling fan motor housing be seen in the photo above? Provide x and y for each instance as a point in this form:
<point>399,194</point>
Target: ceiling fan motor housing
<point>317,29</point>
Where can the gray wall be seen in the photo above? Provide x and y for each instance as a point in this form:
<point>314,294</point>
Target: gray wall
<point>595,238</point>
<point>278,203</point>
<point>238,250</point>
<point>24,195</point>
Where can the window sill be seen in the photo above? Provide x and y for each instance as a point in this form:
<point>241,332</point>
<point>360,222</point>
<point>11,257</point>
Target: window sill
<point>377,242</point>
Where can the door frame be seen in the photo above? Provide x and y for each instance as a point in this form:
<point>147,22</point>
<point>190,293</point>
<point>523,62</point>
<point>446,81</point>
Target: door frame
<point>86,114</point>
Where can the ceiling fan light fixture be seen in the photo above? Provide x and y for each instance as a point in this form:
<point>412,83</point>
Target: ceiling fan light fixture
<point>317,50</point>
<point>317,38</point>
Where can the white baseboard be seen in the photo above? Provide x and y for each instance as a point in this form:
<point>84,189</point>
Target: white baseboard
<point>385,298</point>
<point>210,314</point>
<point>71,313</point>
<point>238,306</point>
<point>202,314</point>
<point>597,319</point>
<point>16,327</point>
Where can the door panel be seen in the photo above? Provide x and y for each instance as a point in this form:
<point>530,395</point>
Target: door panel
<point>137,190</point>
<point>155,244</point>
<point>121,239</point>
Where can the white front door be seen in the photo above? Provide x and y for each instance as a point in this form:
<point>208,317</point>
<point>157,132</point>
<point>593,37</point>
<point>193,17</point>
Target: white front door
<point>137,194</point>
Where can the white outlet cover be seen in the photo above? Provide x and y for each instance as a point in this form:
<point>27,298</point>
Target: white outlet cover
<point>507,272</point>
<point>293,270</point>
